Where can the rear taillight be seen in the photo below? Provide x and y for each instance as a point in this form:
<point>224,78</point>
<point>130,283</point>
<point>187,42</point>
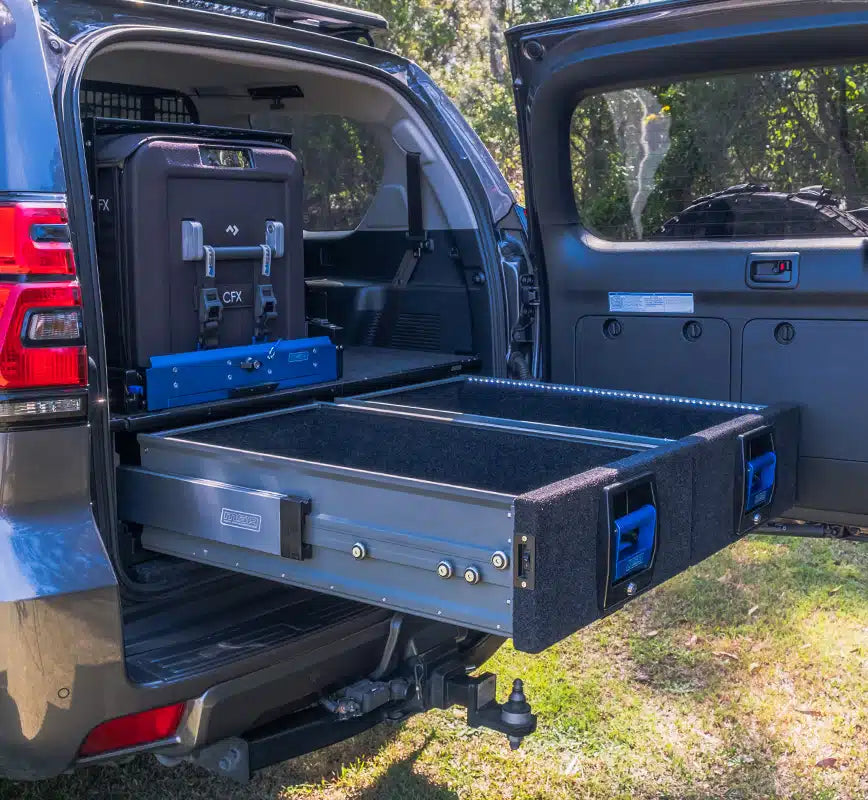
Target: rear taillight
<point>41,337</point>
<point>41,343</point>
<point>34,240</point>
<point>134,729</point>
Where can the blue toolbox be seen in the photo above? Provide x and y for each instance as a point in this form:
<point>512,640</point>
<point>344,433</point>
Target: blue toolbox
<point>204,376</point>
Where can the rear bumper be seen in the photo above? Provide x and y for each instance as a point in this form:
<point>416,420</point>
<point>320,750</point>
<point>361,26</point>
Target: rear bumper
<point>65,674</point>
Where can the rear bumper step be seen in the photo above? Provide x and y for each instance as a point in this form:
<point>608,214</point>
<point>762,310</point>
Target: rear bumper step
<point>515,529</point>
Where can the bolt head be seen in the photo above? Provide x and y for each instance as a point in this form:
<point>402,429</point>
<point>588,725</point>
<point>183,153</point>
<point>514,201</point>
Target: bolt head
<point>359,551</point>
<point>632,588</point>
<point>757,518</point>
<point>445,569</point>
<point>499,560</point>
<point>524,584</point>
<point>471,575</point>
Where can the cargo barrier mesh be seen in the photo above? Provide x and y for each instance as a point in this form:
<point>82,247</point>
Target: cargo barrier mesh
<point>120,101</point>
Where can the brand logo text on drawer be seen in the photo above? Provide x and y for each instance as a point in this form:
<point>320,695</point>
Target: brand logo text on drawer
<point>232,518</point>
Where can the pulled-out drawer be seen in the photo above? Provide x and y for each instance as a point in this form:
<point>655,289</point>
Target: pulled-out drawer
<point>518,518</point>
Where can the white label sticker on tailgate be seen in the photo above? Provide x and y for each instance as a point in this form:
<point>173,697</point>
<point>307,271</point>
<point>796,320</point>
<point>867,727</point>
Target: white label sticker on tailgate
<point>636,302</point>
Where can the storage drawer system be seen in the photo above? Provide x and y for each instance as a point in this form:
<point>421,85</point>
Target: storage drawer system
<point>520,509</point>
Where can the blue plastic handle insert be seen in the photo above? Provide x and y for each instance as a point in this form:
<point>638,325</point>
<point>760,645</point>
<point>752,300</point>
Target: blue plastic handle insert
<point>760,480</point>
<point>634,537</point>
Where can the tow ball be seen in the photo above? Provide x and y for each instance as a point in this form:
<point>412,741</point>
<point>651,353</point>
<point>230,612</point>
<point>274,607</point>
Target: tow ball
<point>445,687</point>
<point>477,694</point>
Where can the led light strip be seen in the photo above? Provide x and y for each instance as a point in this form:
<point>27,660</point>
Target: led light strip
<point>223,8</point>
<point>617,394</point>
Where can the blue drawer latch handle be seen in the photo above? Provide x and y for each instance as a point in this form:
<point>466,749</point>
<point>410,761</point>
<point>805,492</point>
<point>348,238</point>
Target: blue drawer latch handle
<point>760,480</point>
<point>634,541</point>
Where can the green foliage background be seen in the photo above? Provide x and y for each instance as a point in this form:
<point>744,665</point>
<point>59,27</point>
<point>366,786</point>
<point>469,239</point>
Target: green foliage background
<point>460,43</point>
<point>787,129</point>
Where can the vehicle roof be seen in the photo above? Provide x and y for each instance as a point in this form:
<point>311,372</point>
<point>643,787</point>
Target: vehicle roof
<point>323,17</point>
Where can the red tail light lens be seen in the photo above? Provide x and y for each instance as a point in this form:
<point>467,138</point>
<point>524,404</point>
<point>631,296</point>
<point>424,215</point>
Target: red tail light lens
<point>134,729</point>
<point>40,336</point>
<point>34,240</point>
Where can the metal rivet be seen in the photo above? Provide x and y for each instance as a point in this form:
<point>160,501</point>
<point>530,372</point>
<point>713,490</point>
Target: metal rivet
<point>509,602</point>
<point>63,693</point>
<point>471,575</point>
<point>524,538</point>
<point>445,569</point>
<point>359,550</point>
<point>499,559</point>
<point>524,584</point>
<point>632,588</point>
<point>382,599</point>
<point>174,369</point>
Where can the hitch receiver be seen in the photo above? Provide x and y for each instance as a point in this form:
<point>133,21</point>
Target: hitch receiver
<point>476,694</point>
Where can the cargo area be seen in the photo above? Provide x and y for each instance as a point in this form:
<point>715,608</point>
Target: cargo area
<point>340,242</point>
<point>389,267</point>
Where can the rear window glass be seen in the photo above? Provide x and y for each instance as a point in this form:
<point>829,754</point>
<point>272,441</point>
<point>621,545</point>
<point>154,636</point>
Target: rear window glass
<point>750,156</point>
<point>343,168</point>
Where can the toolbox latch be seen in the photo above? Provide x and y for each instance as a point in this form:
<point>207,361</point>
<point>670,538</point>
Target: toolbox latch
<point>760,480</point>
<point>628,543</point>
<point>760,462</point>
<point>264,310</point>
<point>634,541</point>
<point>293,513</point>
<point>210,316</point>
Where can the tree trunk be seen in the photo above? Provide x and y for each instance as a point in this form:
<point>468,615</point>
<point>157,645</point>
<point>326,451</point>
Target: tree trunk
<point>496,21</point>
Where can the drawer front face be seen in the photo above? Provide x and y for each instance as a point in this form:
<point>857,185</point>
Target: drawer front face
<point>535,564</point>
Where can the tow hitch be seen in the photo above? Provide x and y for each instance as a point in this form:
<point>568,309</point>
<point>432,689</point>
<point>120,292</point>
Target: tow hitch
<point>477,694</point>
<point>446,687</point>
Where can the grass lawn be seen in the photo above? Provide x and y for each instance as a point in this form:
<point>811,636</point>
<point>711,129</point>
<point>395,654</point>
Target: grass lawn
<point>746,677</point>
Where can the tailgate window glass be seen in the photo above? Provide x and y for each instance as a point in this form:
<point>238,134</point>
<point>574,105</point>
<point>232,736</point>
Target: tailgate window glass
<point>760,155</point>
